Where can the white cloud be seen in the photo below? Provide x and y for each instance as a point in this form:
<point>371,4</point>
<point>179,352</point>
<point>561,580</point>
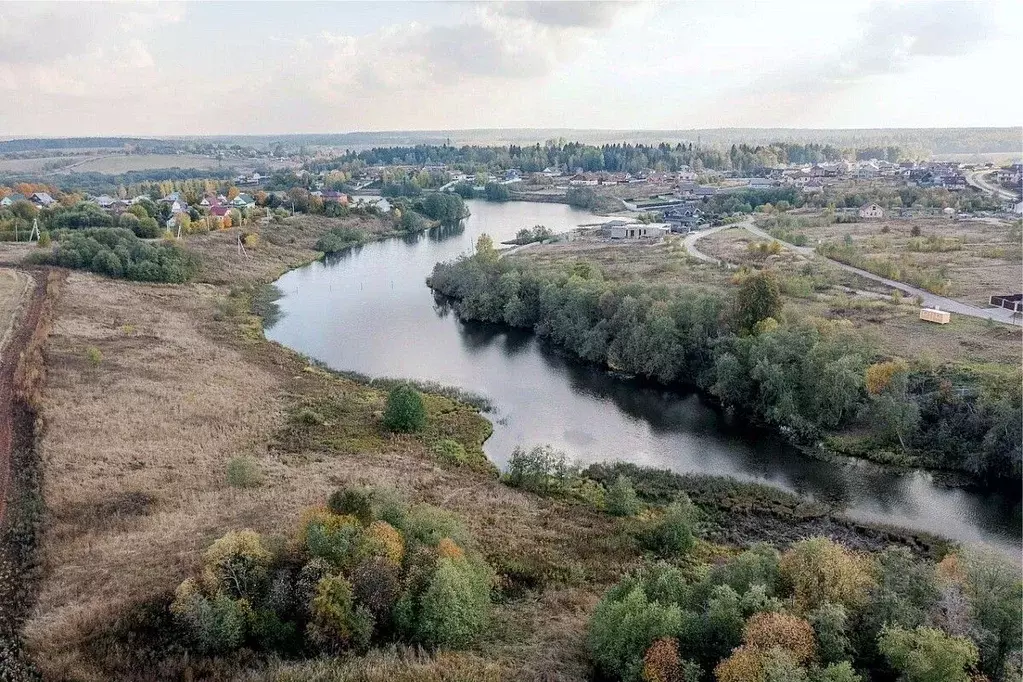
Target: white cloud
<point>142,68</point>
<point>79,49</point>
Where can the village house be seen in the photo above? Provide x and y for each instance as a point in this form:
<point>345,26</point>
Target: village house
<point>686,189</point>
<point>871,211</point>
<point>683,218</point>
<point>9,200</point>
<point>243,201</point>
<point>42,199</point>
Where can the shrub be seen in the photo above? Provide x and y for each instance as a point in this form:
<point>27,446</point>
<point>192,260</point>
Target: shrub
<point>117,252</point>
<point>662,663</point>
<point>767,630</point>
<point>339,239</point>
<point>621,499</point>
<point>928,655</point>
<point>405,410</point>
<point>336,539</point>
<point>376,585</point>
<point>384,541</point>
<point>337,621</point>
<point>746,664</point>
<point>94,356</point>
<point>542,470</point>
<point>450,451</point>
<point>307,416</point>
<point>214,624</point>
<point>45,240</point>
<point>244,472</point>
<point>830,624</point>
<point>622,630</point>
<point>455,607</point>
<point>672,534</point>
<point>838,672</point>
<point>756,566</point>
<point>237,564</point>
<point>428,525</point>
<point>819,570</point>
<point>355,502</point>
<point>390,505</point>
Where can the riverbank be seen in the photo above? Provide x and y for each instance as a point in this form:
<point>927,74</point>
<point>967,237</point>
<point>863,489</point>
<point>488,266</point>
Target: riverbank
<point>649,310</point>
<point>153,390</point>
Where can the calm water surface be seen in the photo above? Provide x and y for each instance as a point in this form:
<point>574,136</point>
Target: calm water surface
<point>369,310</point>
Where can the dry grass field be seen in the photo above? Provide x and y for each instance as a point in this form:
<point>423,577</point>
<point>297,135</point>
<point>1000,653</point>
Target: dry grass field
<point>977,258</point>
<point>153,389</point>
<point>14,288</point>
<point>122,163</point>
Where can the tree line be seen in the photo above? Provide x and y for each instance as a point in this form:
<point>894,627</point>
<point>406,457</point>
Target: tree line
<point>618,157</point>
<point>809,378</point>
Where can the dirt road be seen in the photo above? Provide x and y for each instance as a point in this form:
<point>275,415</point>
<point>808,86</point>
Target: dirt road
<point>929,300</point>
<point>16,325</point>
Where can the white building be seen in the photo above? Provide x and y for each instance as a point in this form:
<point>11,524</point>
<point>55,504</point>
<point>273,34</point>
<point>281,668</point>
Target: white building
<point>640,230</point>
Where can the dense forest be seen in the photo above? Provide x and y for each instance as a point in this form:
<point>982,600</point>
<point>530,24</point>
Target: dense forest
<point>608,157</point>
<point>810,378</point>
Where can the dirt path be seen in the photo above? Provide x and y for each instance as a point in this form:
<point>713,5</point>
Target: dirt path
<point>16,325</point>
<point>693,237</point>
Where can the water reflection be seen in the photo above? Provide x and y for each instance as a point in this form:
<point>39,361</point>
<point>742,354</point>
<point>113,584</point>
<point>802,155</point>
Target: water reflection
<point>367,309</point>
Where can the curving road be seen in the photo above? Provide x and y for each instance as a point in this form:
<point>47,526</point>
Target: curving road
<point>929,300</point>
<point>980,180</point>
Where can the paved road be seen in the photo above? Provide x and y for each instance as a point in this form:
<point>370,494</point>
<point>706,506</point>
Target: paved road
<point>980,180</point>
<point>929,300</point>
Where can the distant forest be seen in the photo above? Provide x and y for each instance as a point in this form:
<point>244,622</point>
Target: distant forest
<point>609,157</point>
<point>916,142</point>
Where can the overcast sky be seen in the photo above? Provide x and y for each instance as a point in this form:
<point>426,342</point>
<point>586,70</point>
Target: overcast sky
<point>217,68</point>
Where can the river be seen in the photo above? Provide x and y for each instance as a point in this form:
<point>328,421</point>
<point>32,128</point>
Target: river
<point>369,310</point>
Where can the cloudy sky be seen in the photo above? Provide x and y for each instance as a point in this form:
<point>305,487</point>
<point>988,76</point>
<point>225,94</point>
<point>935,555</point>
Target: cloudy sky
<point>263,67</point>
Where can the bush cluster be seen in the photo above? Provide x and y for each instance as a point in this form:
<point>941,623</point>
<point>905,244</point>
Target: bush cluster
<point>365,568</point>
<point>339,239</point>
<point>815,613</point>
<point>117,252</point>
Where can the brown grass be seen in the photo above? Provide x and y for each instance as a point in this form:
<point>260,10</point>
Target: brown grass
<point>136,450</point>
<point>989,262</point>
<point>14,288</point>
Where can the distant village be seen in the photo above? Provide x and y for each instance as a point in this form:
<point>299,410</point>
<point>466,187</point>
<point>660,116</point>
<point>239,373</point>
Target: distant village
<point>679,199</point>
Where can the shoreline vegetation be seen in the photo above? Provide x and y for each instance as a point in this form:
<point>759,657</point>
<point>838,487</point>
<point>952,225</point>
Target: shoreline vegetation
<point>813,380</point>
<point>544,542</point>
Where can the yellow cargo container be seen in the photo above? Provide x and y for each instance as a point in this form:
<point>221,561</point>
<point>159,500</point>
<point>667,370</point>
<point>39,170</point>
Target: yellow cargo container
<point>935,315</point>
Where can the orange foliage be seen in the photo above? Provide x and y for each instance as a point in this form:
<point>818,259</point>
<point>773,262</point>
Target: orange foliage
<point>384,540</point>
<point>950,570</point>
<point>662,662</point>
<point>28,188</point>
<point>879,375</point>
<point>232,192</point>
<point>447,549</point>
<point>765,630</point>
